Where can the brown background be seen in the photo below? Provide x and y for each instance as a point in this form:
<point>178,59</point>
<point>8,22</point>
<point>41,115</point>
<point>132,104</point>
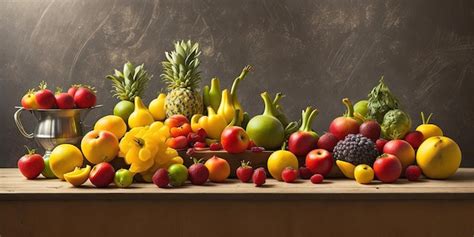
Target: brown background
<point>316,52</point>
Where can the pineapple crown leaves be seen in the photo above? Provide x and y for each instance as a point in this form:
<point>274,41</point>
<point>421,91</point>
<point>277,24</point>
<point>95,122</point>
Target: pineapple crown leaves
<point>129,83</point>
<point>180,70</point>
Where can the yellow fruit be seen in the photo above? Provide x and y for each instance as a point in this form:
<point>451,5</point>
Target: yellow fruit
<point>363,174</point>
<point>64,158</point>
<point>428,130</point>
<point>157,107</point>
<point>346,168</point>
<point>141,116</point>
<point>78,176</point>
<point>113,124</point>
<point>279,160</point>
<point>438,157</point>
<point>99,146</point>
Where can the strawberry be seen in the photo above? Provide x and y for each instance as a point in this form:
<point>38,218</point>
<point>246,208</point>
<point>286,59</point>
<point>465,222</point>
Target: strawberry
<point>200,145</point>
<point>198,173</point>
<point>161,178</point>
<point>289,174</point>
<point>259,176</point>
<point>317,178</point>
<point>244,172</point>
<point>305,173</point>
<point>215,146</point>
<point>413,172</point>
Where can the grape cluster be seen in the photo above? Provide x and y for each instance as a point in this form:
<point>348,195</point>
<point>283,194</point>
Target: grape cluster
<point>356,149</point>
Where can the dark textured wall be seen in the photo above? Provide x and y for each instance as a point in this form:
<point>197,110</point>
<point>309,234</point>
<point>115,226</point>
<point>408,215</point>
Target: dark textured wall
<point>314,51</point>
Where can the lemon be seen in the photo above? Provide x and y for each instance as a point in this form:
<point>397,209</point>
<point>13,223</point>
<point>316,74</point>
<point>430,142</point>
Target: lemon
<point>363,174</point>
<point>438,157</point>
<point>78,176</point>
<point>64,158</point>
<point>429,130</point>
<point>346,168</point>
<point>113,124</point>
<point>279,160</point>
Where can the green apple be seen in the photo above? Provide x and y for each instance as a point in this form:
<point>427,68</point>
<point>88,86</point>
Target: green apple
<point>123,109</point>
<point>123,178</point>
<point>47,172</point>
<point>178,174</point>
<point>361,107</point>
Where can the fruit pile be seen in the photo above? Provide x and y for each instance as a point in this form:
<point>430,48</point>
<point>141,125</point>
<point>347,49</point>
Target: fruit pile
<point>77,96</point>
<point>373,139</point>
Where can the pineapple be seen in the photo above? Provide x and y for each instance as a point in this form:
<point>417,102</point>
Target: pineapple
<point>126,86</point>
<point>181,74</point>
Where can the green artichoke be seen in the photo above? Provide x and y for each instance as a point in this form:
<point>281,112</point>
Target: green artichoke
<point>396,124</point>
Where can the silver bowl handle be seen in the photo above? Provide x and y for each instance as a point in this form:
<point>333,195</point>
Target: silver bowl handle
<point>20,125</point>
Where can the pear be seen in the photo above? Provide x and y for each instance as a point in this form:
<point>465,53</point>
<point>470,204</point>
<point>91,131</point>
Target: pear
<point>141,116</point>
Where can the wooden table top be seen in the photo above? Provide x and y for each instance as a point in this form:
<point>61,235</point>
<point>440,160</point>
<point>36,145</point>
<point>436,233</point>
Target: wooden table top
<point>13,186</point>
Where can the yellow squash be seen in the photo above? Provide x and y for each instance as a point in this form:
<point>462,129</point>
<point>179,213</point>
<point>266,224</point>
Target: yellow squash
<point>213,123</point>
<point>157,107</point>
<point>226,108</point>
<point>140,116</point>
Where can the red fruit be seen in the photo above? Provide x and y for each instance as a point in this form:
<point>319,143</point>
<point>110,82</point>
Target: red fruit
<point>244,172</point>
<point>319,161</point>
<point>176,120</point>
<point>259,176</point>
<point>317,178</point>
<point>413,172</point>
<point>85,97</point>
<point>257,149</point>
<point>305,173</point>
<point>304,140</point>
<point>387,168</point>
<point>251,144</point>
<point>327,142</point>
<point>177,142</point>
<point>370,129</point>
<point>402,150</point>
<point>161,178</point>
<point>345,125</point>
<point>31,164</point>
<point>182,130</point>
<point>289,174</point>
<point>64,101</point>
<point>73,89</point>
<point>45,98</point>
<point>215,146</point>
<point>200,145</point>
<point>202,134</point>
<point>102,175</point>
<point>380,143</point>
<point>415,139</point>
<point>234,139</point>
<point>198,173</point>
<point>28,101</point>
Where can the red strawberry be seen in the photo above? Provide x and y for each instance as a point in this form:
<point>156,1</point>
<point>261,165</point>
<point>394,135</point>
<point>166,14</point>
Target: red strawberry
<point>413,172</point>
<point>215,146</point>
<point>259,176</point>
<point>305,173</point>
<point>317,178</point>
<point>200,145</point>
<point>198,173</point>
<point>161,178</point>
<point>289,174</point>
<point>244,172</point>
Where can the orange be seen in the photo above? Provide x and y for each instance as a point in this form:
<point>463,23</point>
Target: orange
<point>65,158</point>
<point>219,169</point>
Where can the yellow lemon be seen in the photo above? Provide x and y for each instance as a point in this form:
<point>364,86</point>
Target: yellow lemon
<point>113,124</point>
<point>78,176</point>
<point>427,129</point>
<point>346,168</point>
<point>438,157</point>
<point>64,158</point>
<point>279,160</point>
<point>363,174</point>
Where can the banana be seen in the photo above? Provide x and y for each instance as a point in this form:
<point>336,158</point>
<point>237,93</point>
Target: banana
<point>346,168</point>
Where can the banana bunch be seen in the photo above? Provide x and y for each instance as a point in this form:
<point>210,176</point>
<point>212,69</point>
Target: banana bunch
<point>145,150</point>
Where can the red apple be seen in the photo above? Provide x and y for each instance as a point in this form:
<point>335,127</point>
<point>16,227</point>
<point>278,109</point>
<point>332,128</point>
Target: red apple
<point>402,150</point>
<point>234,139</point>
<point>302,142</point>
<point>370,129</point>
<point>327,141</point>
<point>380,143</point>
<point>346,124</point>
<point>102,175</point>
<point>31,164</point>
<point>176,121</point>
<point>415,139</point>
<point>64,101</point>
<point>387,168</point>
<point>319,161</point>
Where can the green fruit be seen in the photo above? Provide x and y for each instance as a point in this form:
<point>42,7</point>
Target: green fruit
<point>47,172</point>
<point>123,109</point>
<point>123,178</point>
<point>266,130</point>
<point>178,174</point>
<point>361,107</point>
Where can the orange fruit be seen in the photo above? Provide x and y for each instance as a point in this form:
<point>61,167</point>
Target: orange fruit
<point>219,169</point>
<point>113,124</point>
<point>65,158</point>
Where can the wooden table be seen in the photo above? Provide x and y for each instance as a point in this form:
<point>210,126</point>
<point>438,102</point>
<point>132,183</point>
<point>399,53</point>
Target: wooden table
<point>337,207</point>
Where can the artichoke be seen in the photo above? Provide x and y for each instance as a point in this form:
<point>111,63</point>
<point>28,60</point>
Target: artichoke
<point>381,100</point>
<point>396,124</point>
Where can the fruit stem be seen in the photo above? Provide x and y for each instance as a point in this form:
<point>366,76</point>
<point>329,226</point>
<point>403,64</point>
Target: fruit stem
<point>236,119</point>
<point>235,84</point>
<point>30,151</point>
<point>350,108</point>
<point>140,142</point>
<point>429,118</point>
<point>269,109</point>
<point>308,116</point>
<point>244,163</point>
